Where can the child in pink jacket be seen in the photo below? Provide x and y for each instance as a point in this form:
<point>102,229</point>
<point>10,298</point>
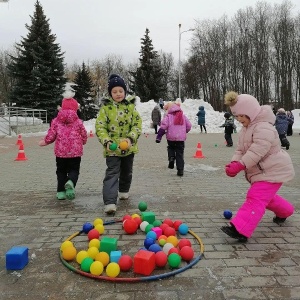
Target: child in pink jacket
<point>265,164</point>
<point>69,134</point>
<point>176,125</point>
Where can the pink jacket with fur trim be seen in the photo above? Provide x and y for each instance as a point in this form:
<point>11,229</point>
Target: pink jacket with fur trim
<point>69,134</point>
<point>260,151</point>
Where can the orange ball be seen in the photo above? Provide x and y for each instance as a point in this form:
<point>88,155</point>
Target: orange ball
<point>102,257</point>
<point>69,253</point>
<point>123,145</point>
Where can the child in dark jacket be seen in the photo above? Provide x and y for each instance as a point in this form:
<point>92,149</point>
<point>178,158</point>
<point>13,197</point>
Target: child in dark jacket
<point>281,125</point>
<point>229,128</point>
<point>176,125</point>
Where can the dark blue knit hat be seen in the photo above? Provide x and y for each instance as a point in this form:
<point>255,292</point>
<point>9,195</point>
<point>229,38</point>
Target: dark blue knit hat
<point>115,80</point>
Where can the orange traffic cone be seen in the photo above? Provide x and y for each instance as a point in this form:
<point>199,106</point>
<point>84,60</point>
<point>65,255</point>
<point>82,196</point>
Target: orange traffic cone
<point>21,154</point>
<point>19,141</point>
<point>91,133</point>
<point>199,153</point>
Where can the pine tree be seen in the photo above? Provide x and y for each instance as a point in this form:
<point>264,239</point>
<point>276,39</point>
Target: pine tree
<point>38,69</point>
<point>84,93</point>
<point>147,79</point>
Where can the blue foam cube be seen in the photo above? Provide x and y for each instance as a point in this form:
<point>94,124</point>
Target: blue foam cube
<point>16,258</point>
<point>115,256</point>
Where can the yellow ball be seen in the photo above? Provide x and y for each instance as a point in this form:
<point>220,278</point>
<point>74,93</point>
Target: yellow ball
<point>112,269</point>
<point>96,268</point>
<point>135,216</point>
<point>123,145</point>
<point>66,244</point>
<point>173,240</point>
<point>94,243</point>
<point>98,221</point>
<point>69,253</point>
<point>81,255</point>
<point>92,252</point>
<point>100,228</point>
<point>102,257</point>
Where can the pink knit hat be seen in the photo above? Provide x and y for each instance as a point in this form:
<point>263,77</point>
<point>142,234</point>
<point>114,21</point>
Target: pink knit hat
<point>246,105</point>
<point>69,102</point>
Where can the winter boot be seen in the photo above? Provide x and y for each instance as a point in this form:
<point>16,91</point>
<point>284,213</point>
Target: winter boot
<point>180,172</point>
<point>61,195</point>
<point>110,209</point>
<point>70,190</point>
<point>171,162</point>
<point>232,232</point>
<point>123,196</point>
<point>279,221</point>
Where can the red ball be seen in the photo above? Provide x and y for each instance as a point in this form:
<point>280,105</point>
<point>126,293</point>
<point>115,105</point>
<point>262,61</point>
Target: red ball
<point>163,226</point>
<point>184,242</point>
<point>138,220</point>
<point>169,222</point>
<point>169,231</point>
<point>93,234</point>
<point>186,253</point>
<point>126,217</point>
<point>130,226</point>
<point>161,259</point>
<point>173,250</point>
<point>125,262</point>
<point>177,223</point>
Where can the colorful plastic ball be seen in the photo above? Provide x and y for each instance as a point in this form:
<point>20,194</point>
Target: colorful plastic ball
<point>100,228</point>
<point>148,228</point>
<point>184,242</point>
<point>113,146</point>
<point>138,220</point>
<point>157,223</point>
<point>173,250</point>
<point>167,247</point>
<point>174,260</point>
<point>173,240</point>
<point>183,229</point>
<point>169,231</point>
<point>177,223</point>
<point>123,145</point>
<point>162,240</point>
<point>86,264</point>
<point>126,217</point>
<point>186,253</point>
<point>87,227</point>
<point>161,259</point>
<point>154,248</point>
<point>94,243</point>
<point>163,226</point>
<point>96,268</point>
<point>143,225</point>
<point>151,234</point>
<point>130,226</point>
<point>69,253</point>
<point>168,221</point>
<point>81,255</point>
<point>142,206</point>
<point>148,242</point>
<point>125,262</point>
<point>66,244</point>
<point>112,270</point>
<point>102,257</point>
<point>227,214</point>
<point>98,221</point>
<point>134,216</point>
<point>93,234</point>
<point>92,252</point>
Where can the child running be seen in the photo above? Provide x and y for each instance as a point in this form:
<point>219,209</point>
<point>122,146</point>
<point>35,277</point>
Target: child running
<point>266,166</point>
<point>229,127</point>
<point>118,123</point>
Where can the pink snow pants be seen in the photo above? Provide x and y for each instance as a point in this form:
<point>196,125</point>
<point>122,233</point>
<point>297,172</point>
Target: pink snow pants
<point>260,196</point>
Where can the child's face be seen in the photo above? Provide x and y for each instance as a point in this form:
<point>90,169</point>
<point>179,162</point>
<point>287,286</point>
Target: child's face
<point>243,119</point>
<point>118,93</point>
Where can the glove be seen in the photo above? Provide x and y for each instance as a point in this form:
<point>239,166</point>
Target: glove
<point>157,141</point>
<point>42,143</point>
<point>234,168</point>
<point>108,145</point>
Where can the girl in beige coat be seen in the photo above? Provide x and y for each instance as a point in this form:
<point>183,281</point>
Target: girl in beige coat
<point>266,166</point>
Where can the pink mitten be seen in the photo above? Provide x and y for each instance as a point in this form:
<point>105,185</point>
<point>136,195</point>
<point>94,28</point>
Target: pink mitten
<point>234,168</point>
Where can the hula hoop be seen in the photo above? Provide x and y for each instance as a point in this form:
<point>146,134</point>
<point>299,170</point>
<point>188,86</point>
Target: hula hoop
<point>135,279</point>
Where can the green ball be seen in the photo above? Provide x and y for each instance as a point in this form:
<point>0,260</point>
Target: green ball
<point>157,223</point>
<point>113,146</point>
<point>142,206</point>
<point>86,264</point>
<point>174,260</point>
<point>148,228</point>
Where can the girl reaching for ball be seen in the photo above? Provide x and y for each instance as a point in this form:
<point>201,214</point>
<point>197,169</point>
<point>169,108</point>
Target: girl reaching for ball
<point>118,127</point>
<point>265,164</point>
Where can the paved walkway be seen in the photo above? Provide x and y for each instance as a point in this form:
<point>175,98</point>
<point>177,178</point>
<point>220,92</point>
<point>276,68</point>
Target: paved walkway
<point>267,267</point>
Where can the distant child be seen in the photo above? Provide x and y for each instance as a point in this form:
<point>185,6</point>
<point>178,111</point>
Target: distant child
<point>69,134</point>
<point>229,127</point>
<point>156,117</point>
<point>265,164</point>
<point>201,118</point>
<point>161,103</point>
<point>291,123</point>
<point>118,123</point>
<point>281,125</point>
<point>176,126</point>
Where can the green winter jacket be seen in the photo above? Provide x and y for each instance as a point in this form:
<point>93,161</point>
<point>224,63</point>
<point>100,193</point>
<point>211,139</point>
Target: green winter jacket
<point>116,121</point>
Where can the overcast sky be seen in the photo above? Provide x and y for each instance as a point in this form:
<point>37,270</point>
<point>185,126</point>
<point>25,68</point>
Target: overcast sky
<point>92,29</point>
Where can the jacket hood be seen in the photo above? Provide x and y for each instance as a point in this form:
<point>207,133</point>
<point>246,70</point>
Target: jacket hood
<point>265,115</point>
<point>201,107</point>
<point>67,116</point>
<point>174,108</point>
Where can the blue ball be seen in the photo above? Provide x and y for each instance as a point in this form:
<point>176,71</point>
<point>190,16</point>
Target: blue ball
<point>148,242</point>
<point>183,229</point>
<point>154,248</point>
<point>151,234</point>
<point>87,227</point>
<point>227,214</point>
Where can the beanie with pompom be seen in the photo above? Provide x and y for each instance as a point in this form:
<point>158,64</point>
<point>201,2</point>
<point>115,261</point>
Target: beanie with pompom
<point>68,101</point>
<point>242,104</point>
<point>115,80</point>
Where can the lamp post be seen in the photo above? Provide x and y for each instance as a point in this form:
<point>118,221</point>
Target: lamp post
<point>179,69</point>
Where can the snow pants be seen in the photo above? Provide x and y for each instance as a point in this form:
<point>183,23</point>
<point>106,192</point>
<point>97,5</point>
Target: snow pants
<point>260,196</point>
